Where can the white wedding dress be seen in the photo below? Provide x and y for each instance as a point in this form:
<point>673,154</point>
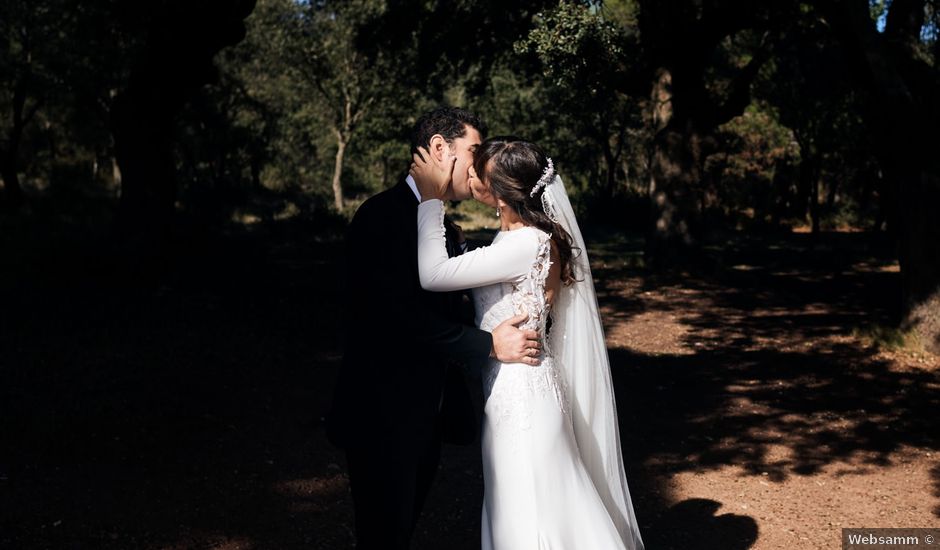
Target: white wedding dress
<point>552,480</point>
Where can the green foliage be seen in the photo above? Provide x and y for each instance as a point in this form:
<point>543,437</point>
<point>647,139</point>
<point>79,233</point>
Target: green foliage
<point>578,48</point>
<point>311,76</point>
<point>890,338</point>
<point>878,9</point>
<point>807,90</point>
<point>584,52</point>
<point>63,63</point>
<point>754,147</point>
<point>296,86</point>
<point>756,142</point>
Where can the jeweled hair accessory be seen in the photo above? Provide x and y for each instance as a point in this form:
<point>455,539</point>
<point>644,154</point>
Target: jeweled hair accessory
<point>547,176</point>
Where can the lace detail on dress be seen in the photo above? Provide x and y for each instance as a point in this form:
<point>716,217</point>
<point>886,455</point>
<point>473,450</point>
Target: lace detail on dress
<point>529,294</point>
<point>443,225</point>
<point>509,389</point>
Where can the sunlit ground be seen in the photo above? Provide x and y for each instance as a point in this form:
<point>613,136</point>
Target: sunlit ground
<point>765,406</point>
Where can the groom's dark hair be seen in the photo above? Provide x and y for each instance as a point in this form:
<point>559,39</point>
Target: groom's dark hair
<point>450,122</point>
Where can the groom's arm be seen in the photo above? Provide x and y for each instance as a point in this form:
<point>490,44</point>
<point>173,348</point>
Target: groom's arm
<point>450,338</point>
<point>455,340</point>
<point>383,276</point>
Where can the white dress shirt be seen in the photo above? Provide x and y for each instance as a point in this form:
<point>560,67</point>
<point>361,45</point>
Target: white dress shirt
<point>414,186</point>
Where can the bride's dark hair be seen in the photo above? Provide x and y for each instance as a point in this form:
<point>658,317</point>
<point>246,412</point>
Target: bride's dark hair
<point>512,166</point>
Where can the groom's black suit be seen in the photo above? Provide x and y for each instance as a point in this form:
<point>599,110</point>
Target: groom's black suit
<point>397,390</point>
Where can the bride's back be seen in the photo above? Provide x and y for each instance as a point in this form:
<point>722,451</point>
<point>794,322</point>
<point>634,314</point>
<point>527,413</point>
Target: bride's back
<point>532,293</point>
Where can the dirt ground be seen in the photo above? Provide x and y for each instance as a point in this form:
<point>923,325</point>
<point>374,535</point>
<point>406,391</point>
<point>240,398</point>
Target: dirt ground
<point>187,412</point>
<point>795,425</point>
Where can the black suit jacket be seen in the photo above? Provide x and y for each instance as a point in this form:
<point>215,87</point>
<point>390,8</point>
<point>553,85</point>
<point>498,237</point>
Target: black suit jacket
<point>401,341</point>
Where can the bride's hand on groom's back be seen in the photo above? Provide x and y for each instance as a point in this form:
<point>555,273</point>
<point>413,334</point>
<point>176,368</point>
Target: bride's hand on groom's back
<point>432,177</point>
<point>514,345</point>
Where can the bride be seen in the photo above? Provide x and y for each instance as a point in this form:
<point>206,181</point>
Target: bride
<point>552,463</point>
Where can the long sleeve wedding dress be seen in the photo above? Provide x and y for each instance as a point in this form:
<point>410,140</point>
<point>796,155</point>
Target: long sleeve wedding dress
<point>552,464</point>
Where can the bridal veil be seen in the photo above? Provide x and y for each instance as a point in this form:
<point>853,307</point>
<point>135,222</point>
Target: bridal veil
<point>576,339</point>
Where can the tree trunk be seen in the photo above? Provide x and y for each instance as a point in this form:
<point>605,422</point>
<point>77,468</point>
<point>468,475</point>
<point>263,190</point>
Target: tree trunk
<point>9,165</point>
<point>611,162</point>
<point>115,174</point>
<point>175,62</point>
<point>611,154</point>
<point>670,173</point>
<point>338,172</point>
<point>685,110</point>
<point>143,147</point>
<point>902,118</point>
<point>12,191</point>
<point>831,193</point>
<point>807,202</point>
<point>256,164</point>
<point>814,200</point>
<point>920,258</point>
<point>674,179</point>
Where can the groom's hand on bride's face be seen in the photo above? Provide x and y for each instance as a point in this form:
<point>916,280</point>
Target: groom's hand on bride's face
<point>514,345</point>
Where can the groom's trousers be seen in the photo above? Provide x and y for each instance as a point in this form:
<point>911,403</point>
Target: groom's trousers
<point>390,481</point>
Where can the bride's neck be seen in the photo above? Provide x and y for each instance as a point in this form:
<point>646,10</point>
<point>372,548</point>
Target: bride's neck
<point>509,220</point>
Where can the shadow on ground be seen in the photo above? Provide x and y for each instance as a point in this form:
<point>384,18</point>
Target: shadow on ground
<point>185,411</point>
<point>768,375</point>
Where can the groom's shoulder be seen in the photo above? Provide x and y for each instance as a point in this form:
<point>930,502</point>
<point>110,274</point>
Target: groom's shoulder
<point>381,199</point>
<point>380,205</point>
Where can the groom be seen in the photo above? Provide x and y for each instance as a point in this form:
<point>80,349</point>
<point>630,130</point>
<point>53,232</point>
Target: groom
<point>398,383</point>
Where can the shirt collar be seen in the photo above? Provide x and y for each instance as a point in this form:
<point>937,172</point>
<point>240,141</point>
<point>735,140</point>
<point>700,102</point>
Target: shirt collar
<point>414,187</point>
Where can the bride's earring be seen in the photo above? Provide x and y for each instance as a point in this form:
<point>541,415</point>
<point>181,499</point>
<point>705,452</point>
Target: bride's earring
<point>498,209</point>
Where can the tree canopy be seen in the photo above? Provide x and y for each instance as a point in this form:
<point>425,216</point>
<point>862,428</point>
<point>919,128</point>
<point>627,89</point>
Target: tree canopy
<point>678,119</point>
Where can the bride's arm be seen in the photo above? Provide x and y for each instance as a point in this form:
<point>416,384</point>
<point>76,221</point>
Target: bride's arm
<point>507,260</point>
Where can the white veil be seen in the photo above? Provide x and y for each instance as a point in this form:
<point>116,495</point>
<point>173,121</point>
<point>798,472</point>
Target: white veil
<point>577,342</point>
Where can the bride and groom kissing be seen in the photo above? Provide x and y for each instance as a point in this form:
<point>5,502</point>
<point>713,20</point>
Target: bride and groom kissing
<point>552,464</point>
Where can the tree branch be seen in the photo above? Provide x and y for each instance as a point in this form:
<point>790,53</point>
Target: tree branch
<point>904,21</point>
<point>740,95</point>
